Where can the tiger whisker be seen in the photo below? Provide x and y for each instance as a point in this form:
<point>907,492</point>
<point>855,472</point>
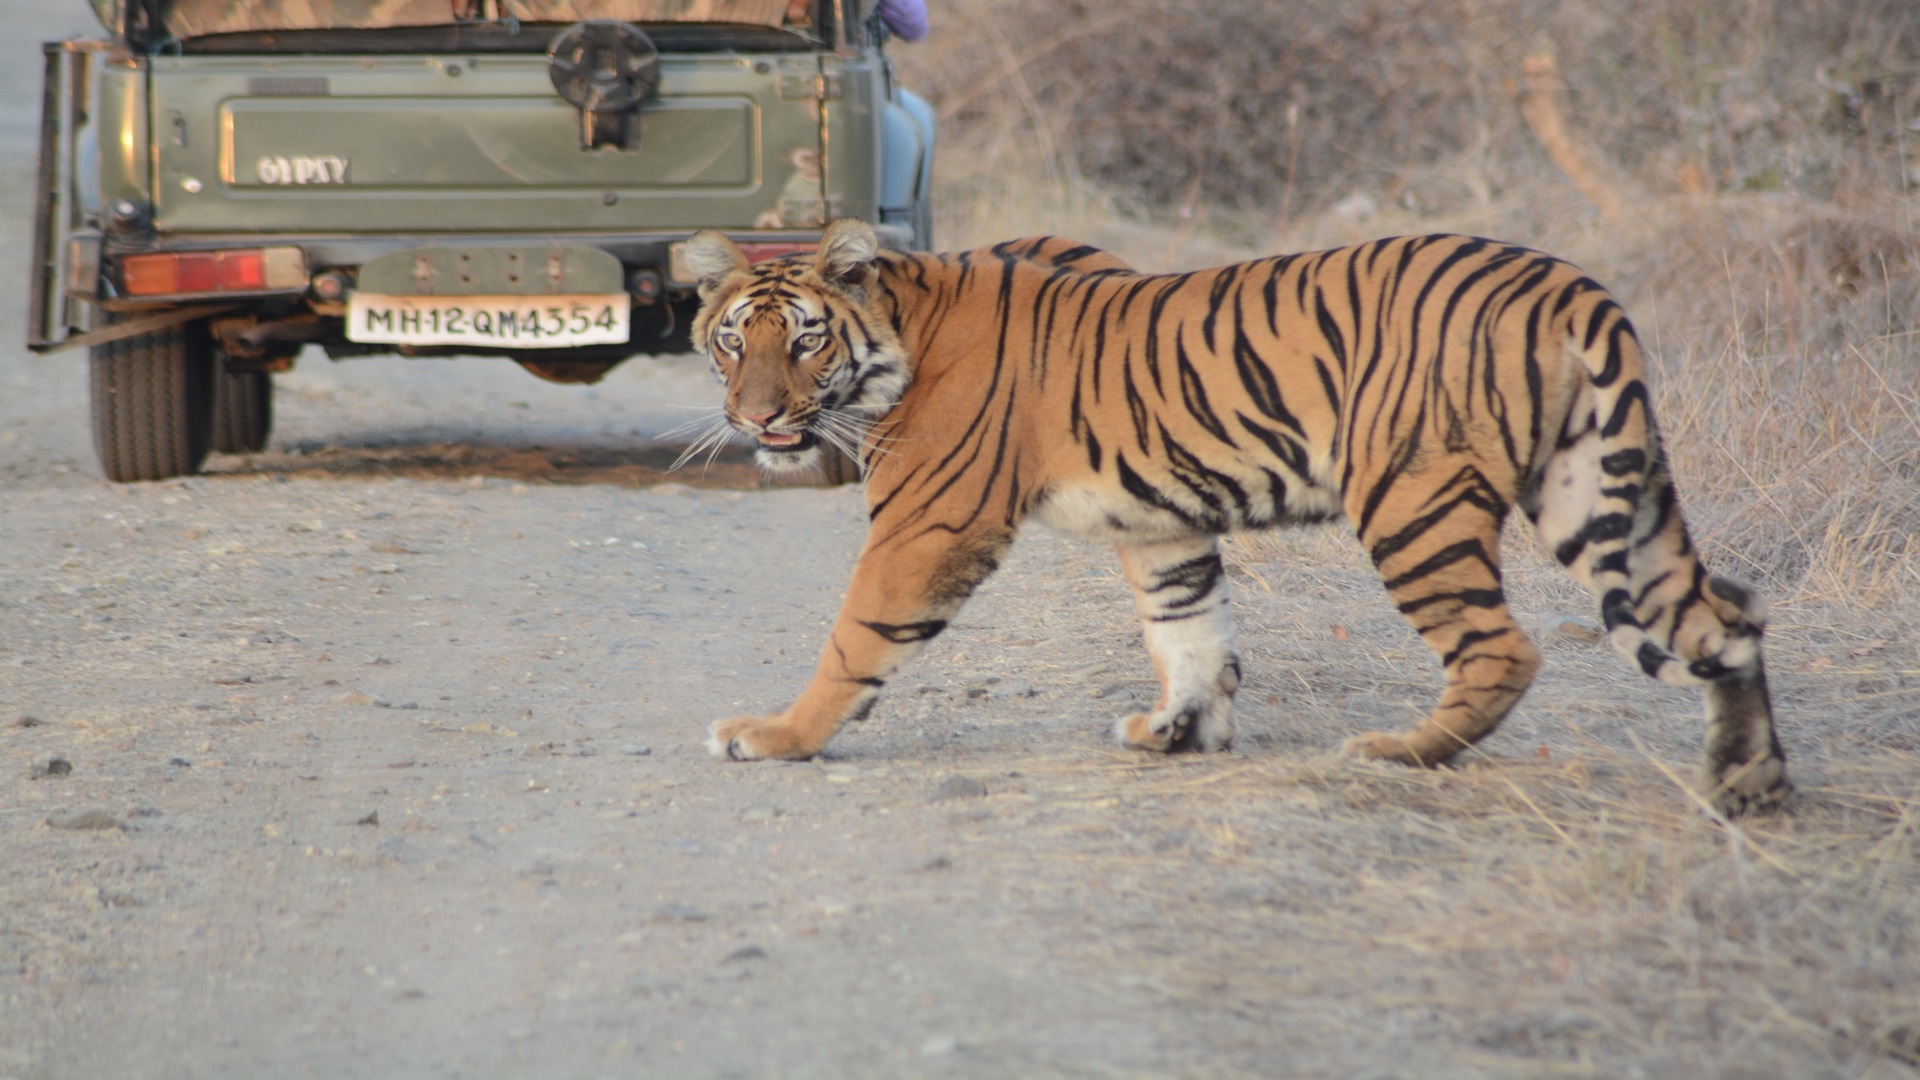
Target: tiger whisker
<point>842,430</point>
<point>698,423</point>
<point>716,436</point>
<point>848,436</point>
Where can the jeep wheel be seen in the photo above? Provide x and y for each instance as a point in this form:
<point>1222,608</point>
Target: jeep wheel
<point>242,409</point>
<point>152,399</point>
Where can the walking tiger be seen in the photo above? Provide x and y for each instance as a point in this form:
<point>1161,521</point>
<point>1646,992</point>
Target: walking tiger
<point>1419,387</point>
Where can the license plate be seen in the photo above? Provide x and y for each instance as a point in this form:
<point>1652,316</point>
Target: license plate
<point>515,322</point>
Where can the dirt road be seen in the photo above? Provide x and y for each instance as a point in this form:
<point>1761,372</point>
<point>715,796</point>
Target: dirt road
<point>378,754</point>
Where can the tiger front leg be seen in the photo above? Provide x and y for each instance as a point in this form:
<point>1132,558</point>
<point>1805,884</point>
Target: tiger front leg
<point>1180,591</point>
<point>901,596</point>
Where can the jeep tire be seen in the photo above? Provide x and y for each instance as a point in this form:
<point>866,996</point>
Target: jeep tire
<point>242,409</point>
<point>152,403</point>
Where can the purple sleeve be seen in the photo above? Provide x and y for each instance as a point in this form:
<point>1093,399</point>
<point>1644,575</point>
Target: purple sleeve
<point>906,18</point>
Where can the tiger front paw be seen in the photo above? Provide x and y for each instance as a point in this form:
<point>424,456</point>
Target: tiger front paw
<point>1380,746</point>
<point>756,738</point>
<point>1190,727</point>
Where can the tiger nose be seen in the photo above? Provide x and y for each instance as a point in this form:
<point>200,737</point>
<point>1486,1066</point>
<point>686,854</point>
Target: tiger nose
<point>761,419</point>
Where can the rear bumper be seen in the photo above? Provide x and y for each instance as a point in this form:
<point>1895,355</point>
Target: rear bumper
<point>325,251</point>
<point>337,251</point>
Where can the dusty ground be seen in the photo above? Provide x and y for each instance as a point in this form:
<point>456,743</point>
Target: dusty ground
<point>394,735</point>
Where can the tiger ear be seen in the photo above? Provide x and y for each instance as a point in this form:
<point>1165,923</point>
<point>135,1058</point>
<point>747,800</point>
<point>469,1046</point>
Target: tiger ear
<point>710,258</point>
<point>847,250</point>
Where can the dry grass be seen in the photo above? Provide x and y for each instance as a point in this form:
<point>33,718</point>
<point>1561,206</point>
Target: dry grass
<point>1572,910</point>
<point>1526,916</point>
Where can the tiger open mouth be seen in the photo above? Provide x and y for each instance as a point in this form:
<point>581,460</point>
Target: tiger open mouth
<point>785,442</point>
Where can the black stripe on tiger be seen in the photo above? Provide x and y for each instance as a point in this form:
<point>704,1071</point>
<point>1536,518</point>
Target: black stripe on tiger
<point>906,633</point>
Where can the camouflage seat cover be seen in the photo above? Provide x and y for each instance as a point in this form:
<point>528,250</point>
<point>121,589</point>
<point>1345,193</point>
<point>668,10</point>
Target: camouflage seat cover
<point>193,18</point>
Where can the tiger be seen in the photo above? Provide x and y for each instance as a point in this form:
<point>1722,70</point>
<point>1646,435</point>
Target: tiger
<point>1418,387</point>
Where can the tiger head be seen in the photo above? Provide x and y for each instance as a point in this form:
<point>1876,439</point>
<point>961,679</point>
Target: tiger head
<point>803,357</point>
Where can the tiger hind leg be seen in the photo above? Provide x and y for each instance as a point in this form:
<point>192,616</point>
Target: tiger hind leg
<point>1678,623</point>
<point>1180,591</point>
<point>1442,568</point>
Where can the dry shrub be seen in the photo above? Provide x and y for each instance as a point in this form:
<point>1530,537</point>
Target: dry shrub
<point>1288,108</point>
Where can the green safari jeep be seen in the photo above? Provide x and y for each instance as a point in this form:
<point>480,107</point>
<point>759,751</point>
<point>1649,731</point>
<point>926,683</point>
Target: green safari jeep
<point>223,182</point>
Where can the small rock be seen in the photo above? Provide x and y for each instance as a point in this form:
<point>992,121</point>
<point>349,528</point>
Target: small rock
<point>1114,692</point>
<point>1573,629</point>
<point>179,763</point>
<point>678,913</point>
<point>384,568</point>
<point>760,812</point>
<point>85,819</point>
<point>632,750</point>
<point>744,953</point>
<point>29,721</point>
<point>1561,1023</point>
<point>938,862</point>
<point>1178,840</point>
<point>355,697</point>
<point>958,787</point>
<point>1244,894</point>
<point>939,1046</point>
<point>646,986</point>
<point>55,766</point>
<point>271,637</point>
<point>1012,688</point>
<point>372,818</point>
<point>1529,1030</point>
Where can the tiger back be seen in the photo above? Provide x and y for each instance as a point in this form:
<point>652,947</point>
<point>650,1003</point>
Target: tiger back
<point>1420,387</point>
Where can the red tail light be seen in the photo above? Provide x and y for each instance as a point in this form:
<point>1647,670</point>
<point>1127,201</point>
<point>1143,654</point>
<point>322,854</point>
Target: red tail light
<point>175,273</point>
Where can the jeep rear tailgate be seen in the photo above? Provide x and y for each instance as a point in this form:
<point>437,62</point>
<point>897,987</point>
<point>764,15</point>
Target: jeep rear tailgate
<point>455,143</point>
